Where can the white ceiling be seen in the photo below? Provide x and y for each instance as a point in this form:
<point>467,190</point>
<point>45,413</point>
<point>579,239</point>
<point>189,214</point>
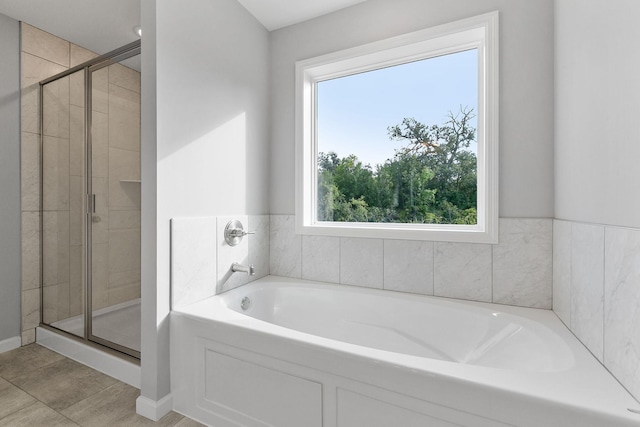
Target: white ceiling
<point>276,14</point>
<point>104,25</point>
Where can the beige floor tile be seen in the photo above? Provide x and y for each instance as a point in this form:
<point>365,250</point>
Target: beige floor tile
<point>63,383</point>
<point>114,406</point>
<point>188,422</point>
<point>25,359</point>
<point>12,399</point>
<point>36,415</point>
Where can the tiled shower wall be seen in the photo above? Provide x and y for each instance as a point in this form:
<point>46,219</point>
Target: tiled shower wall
<point>117,157</point>
<point>517,271</point>
<point>116,184</point>
<point>42,56</point>
<point>597,293</point>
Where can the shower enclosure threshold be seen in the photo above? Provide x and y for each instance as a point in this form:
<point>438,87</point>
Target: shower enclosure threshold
<point>114,366</point>
<point>118,323</point>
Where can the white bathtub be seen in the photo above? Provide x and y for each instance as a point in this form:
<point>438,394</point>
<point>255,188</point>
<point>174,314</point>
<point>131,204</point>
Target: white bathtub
<point>305,354</point>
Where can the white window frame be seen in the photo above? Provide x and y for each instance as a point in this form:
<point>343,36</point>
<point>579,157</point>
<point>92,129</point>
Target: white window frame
<point>479,32</point>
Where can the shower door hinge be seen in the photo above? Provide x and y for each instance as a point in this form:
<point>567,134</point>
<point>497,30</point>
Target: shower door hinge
<point>91,203</point>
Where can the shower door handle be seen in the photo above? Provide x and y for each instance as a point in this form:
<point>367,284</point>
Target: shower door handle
<point>91,204</point>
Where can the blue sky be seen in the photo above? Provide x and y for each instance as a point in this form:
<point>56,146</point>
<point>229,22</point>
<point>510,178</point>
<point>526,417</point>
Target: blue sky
<point>355,111</point>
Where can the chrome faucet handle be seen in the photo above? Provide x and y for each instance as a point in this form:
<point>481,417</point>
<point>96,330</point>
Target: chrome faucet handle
<point>234,232</point>
<point>239,232</point>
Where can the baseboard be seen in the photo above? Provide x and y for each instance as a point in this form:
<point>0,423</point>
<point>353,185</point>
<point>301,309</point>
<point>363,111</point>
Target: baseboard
<point>114,366</point>
<point>154,410</point>
<point>10,344</point>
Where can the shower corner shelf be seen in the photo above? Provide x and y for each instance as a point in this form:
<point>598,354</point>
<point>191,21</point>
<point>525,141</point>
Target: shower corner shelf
<point>131,180</point>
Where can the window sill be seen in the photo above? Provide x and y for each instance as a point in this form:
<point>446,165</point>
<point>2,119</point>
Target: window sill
<point>428,232</point>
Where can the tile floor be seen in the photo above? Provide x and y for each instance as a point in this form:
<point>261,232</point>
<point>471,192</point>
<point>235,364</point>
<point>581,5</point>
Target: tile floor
<point>39,387</point>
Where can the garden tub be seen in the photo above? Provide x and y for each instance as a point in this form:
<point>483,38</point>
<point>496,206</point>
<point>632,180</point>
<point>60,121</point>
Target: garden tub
<point>285,352</point>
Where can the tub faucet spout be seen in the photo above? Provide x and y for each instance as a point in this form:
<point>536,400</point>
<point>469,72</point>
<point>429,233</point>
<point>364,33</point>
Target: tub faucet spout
<point>250,270</point>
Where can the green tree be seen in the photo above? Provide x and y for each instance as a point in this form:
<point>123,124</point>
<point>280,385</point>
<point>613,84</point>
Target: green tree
<point>431,179</point>
<point>444,149</point>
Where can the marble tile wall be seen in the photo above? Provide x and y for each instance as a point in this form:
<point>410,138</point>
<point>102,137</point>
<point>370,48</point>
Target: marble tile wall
<point>201,259</point>
<point>193,259</point>
<point>597,293</point>
<point>517,271</point>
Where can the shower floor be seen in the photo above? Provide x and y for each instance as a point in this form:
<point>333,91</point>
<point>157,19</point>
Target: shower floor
<point>119,324</point>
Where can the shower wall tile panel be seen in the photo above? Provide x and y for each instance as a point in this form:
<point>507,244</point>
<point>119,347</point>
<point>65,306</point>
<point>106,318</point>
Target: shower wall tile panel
<point>55,302</point>
<point>127,219</point>
<point>562,270</point>
<point>463,270</point>
<point>193,259</point>
<point>522,272</point>
<point>321,258</point>
<point>129,278</point>
<point>79,55</point>
<point>587,286</point>
<point>30,171</point>
<point>34,69</point>
<point>622,306</point>
<point>56,109</point>
<point>76,141</point>
<point>100,275</point>
<point>286,247</point>
<point>124,118</point>
<point>124,251</point>
<point>55,247</point>
<point>76,288</point>
<point>55,174</point>
<point>605,296</point>
<point>28,336</point>
<point>124,165</point>
<point>30,250</point>
<point>45,45</point>
<point>100,145</point>
<point>30,309</point>
<point>408,266</point>
<point>361,262</point>
<point>100,90</point>
<point>76,89</point>
<point>124,77</point>
<point>385,263</point>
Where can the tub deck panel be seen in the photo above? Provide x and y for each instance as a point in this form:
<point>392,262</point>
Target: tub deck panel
<point>258,395</point>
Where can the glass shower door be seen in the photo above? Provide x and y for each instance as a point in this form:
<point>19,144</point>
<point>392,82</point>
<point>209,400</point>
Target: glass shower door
<point>115,203</point>
<point>62,208</point>
<point>89,218</point>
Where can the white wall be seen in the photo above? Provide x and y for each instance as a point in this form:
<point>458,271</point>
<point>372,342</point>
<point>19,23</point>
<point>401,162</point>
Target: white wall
<point>597,110</point>
<point>526,88</point>
<point>205,140</point>
<point>9,178</point>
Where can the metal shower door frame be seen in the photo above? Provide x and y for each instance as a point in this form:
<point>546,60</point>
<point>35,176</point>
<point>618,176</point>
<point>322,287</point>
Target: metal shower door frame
<point>113,57</point>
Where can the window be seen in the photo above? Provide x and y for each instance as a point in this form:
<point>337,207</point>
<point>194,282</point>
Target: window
<point>398,138</point>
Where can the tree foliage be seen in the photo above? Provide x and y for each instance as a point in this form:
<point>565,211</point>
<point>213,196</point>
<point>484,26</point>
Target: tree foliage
<point>432,178</point>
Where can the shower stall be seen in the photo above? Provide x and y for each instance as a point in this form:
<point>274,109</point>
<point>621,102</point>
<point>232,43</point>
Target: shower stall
<point>90,201</point>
